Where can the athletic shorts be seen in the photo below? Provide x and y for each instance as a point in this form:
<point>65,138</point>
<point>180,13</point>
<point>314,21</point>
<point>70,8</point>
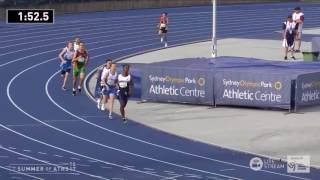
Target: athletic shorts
<point>78,69</point>
<point>66,67</point>
<point>163,30</point>
<point>123,97</point>
<point>105,90</point>
<point>110,91</point>
<point>289,41</point>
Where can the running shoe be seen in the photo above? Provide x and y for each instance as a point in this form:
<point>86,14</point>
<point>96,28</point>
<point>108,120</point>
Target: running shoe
<point>297,51</point>
<point>294,58</point>
<point>285,58</point>
<point>79,89</point>
<point>124,120</point>
<point>63,88</point>
<point>165,45</point>
<point>74,92</point>
<point>110,116</point>
<point>103,108</point>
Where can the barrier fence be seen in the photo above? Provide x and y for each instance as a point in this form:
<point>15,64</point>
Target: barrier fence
<point>248,89</point>
<point>307,90</point>
<point>177,85</point>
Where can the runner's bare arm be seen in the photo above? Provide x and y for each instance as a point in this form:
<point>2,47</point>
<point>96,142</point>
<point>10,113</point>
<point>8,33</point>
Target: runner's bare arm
<point>75,59</point>
<point>61,54</point>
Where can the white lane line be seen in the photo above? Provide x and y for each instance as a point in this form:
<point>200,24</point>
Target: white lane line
<point>12,148</point>
<point>83,165</point>
<point>227,170</point>
<point>215,178</point>
<point>14,177</point>
<point>59,156</point>
<point>92,116</point>
<point>21,158</point>
<point>149,169</point>
<point>21,173</point>
<point>45,162</point>
<point>130,170</point>
<point>195,176</point>
<point>37,125</point>
<point>70,152</point>
<point>129,166</point>
<point>42,153</point>
<point>101,47</point>
<point>169,172</point>
<point>92,161</point>
<point>136,26</point>
<point>80,155</point>
<point>119,29</point>
<point>73,158</point>
<point>225,27</point>
<point>105,167</point>
<point>27,150</point>
<point>126,24</point>
<point>172,178</point>
<point>150,172</point>
<point>227,24</point>
<point>98,21</point>
<point>172,15</point>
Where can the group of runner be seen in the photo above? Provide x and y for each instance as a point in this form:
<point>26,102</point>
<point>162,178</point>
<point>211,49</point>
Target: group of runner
<point>74,57</point>
<point>112,85</point>
<point>292,33</point>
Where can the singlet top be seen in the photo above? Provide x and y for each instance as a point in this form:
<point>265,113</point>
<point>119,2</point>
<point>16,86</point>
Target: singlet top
<point>82,56</point>
<point>298,16</point>
<point>75,46</point>
<point>163,21</point>
<point>112,78</point>
<point>289,27</point>
<point>124,81</point>
<point>68,55</point>
<point>104,73</point>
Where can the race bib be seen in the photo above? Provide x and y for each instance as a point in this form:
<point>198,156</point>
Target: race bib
<point>162,25</point>
<point>81,59</point>
<point>111,82</point>
<point>68,56</point>
<point>123,84</point>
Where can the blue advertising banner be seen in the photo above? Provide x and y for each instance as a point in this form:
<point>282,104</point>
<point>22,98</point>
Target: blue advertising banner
<point>308,90</point>
<point>181,85</point>
<point>316,44</point>
<point>252,89</point>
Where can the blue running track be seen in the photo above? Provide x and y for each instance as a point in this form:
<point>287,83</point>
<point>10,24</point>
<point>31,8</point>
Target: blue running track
<point>42,126</point>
